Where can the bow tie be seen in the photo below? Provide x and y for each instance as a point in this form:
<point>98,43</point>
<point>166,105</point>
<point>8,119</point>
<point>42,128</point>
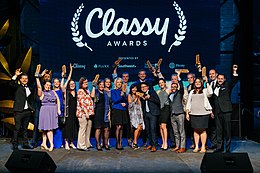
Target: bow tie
<point>24,85</point>
<point>218,85</point>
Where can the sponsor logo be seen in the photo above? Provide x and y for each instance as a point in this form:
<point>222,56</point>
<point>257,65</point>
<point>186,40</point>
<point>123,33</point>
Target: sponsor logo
<point>101,66</point>
<point>172,65</point>
<point>76,65</point>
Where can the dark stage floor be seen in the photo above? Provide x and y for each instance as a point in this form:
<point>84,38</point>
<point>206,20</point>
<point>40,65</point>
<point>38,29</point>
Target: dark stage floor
<point>129,160</point>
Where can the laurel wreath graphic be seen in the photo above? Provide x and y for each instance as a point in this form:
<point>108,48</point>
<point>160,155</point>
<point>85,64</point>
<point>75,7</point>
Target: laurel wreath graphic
<point>74,28</point>
<point>182,27</point>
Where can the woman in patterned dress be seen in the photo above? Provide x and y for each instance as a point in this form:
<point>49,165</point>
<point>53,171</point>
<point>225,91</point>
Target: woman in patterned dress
<point>135,113</point>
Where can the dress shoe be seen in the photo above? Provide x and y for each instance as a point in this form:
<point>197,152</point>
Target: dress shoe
<point>227,151</point>
<point>153,149</point>
<point>15,147</point>
<point>218,151</point>
<point>212,147</point>
<point>181,150</point>
<point>27,146</point>
<point>175,149</point>
<point>172,146</point>
<point>148,147</point>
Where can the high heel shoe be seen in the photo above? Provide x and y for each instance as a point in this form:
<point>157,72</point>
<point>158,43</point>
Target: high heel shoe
<point>107,147</point>
<point>67,147</point>
<point>99,148</point>
<point>196,150</point>
<point>51,148</point>
<point>44,147</point>
<point>73,146</point>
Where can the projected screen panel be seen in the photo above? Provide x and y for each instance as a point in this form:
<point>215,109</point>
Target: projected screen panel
<point>93,34</point>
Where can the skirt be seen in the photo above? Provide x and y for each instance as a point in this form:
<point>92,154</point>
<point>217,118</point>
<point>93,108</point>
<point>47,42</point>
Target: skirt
<point>119,117</point>
<point>164,115</point>
<point>199,121</point>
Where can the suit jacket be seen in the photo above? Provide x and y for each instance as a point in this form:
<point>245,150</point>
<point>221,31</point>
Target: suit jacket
<point>176,104</point>
<point>222,102</point>
<point>20,97</point>
<point>153,103</point>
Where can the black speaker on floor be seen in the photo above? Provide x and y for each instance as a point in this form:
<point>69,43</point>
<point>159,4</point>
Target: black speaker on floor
<point>30,161</point>
<point>226,162</point>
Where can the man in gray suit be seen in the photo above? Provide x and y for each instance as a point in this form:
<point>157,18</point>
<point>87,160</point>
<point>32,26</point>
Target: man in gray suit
<point>177,116</point>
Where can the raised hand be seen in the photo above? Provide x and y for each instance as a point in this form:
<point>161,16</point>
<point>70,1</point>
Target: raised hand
<point>18,72</point>
<point>235,67</point>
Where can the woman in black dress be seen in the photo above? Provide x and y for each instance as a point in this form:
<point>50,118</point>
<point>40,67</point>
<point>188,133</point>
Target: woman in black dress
<point>102,115</point>
<point>69,131</point>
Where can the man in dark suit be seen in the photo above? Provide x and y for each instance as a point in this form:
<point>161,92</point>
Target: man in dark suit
<point>151,109</point>
<point>22,108</point>
<point>211,131</point>
<point>223,109</point>
<point>150,82</point>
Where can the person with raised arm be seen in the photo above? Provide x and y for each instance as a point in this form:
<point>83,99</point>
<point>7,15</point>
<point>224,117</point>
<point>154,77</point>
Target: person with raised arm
<point>22,108</point>
<point>69,122</point>
<point>223,109</point>
<point>49,111</point>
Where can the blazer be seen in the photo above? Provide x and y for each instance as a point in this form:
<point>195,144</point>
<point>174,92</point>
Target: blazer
<point>153,103</point>
<point>222,102</point>
<point>20,97</point>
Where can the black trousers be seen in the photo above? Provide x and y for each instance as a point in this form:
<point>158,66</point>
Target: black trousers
<point>21,120</point>
<point>212,132</point>
<point>223,126</point>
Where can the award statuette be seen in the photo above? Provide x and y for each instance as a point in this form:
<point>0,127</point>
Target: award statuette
<point>63,71</point>
<point>204,71</point>
<point>124,85</point>
<point>116,63</point>
<point>149,64</point>
<point>184,70</point>
<point>159,63</point>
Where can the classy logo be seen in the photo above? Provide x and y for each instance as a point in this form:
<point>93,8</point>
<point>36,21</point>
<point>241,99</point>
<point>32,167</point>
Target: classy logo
<point>127,27</point>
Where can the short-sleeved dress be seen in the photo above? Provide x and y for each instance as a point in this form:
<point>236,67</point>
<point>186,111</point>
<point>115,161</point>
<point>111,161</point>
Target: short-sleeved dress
<point>48,116</point>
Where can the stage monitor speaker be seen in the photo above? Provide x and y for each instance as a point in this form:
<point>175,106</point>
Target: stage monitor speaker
<point>30,161</point>
<point>226,162</point>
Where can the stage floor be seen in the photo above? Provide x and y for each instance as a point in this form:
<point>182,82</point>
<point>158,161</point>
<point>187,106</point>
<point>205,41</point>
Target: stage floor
<point>129,160</point>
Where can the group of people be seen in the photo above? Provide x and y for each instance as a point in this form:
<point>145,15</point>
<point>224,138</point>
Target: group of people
<point>203,106</point>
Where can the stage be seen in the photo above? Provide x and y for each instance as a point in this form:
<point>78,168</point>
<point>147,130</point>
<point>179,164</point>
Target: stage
<point>129,160</point>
